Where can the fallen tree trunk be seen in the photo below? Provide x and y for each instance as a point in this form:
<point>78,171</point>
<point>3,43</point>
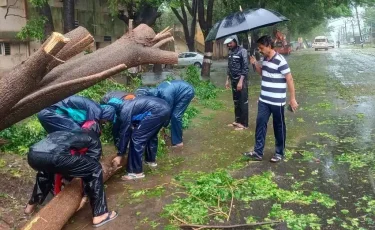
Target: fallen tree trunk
<point>24,78</point>
<point>135,48</point>
<point>80,39</point>
<point>49,95</point>
<point>61,208</point>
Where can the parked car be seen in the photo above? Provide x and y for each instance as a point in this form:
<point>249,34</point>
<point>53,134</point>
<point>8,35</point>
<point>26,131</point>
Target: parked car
<point>190,58</point>
<point>320,42</point>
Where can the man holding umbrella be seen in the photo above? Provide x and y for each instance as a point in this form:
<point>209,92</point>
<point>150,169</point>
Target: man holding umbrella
<point>276,78</point>
<point>238,68</point>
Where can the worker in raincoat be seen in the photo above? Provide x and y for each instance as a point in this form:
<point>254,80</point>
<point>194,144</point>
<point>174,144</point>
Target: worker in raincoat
<point>141,119</point>
<point>116,99</point>
<point>52,155</point>
<point>178,94</point>
<point>74,112</point>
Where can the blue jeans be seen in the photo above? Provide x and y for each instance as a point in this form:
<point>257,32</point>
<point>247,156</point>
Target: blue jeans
<point>264,112</point>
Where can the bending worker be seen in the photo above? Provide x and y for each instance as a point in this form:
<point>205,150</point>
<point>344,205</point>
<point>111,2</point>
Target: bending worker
<point>140,121</point>
<point>178,94</point>
<point>73,113</point>
<point>52,156</point>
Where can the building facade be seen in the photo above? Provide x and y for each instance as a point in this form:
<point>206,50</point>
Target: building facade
<point>91,14</point>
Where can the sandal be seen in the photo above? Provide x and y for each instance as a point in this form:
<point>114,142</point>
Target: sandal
<point>133,176</point>
<point>106,220</point>
<point>252,155</point>
<point>277,158</point>
<point>234,124</point>
<point>241,128</point>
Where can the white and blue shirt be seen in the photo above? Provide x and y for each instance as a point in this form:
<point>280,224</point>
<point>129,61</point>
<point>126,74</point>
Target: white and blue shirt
<point>273,80</point>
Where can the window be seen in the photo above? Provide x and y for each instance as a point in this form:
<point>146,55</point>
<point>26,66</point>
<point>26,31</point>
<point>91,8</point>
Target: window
<point>4,48</point>
<point>189,55</point>
<point>321,40</point>
<point>181,55</point>
<point>107,38</point>
<point>76,23</point>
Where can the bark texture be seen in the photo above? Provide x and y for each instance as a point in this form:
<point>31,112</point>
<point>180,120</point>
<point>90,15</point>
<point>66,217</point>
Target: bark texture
<point>58,211</point>
<point>47,78</point>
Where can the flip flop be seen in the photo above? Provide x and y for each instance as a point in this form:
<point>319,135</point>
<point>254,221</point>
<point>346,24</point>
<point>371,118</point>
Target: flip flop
<point>106,220</point>
<point>234,124</point>
<point>132,176</point>
<point>240,128</point>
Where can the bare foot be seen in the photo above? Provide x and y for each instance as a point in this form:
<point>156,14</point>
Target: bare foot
<point>240,127</point>
<point>30,208</point>
<point>98,219</point>
<point>83,202</point>
<point>179,145</point>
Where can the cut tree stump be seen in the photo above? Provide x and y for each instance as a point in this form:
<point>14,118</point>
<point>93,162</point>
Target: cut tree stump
<point>61,208</point>
<point>24,78</point>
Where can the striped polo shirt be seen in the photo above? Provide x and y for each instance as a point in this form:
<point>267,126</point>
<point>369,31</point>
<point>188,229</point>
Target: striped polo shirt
<point>273,80</point>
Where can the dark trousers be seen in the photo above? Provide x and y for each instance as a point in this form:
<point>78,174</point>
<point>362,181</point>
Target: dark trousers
<point>264,112</point>
<point>90,170</point>
<point>241,103</point>
<point>176,118</point>
<point>145,137</point>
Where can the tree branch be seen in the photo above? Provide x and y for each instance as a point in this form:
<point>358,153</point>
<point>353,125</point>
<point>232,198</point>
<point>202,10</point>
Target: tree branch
<point>242,226</point>
<point>190,9</point>
<point>178,15</point>
<point>201,15</point>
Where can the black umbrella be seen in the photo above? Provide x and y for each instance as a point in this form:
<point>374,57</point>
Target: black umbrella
<point>244,21</point>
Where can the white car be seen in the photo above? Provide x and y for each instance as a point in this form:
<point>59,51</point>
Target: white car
<point>190,58</point>
<point>320,42</point>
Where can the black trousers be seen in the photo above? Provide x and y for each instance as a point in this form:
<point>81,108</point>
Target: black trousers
<point>264,112</point>
<point>90,170</point>
<point>241,103</point>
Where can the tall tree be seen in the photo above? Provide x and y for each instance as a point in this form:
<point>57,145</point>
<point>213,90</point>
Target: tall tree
<point>205,17</point>
<point>140,11</point>
<point>68,15</point>
<point>183,18</point>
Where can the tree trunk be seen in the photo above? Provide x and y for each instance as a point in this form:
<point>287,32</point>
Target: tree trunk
<point>207,61</point>
<point>24,78</point>
<point>157,68</point>
<point>138,47</point>
<point>359,24</point>
<point>68,15</point>
<point>58,211</point>
<point>189,34</point>
<point>45,11</point>
<point>205,22</point>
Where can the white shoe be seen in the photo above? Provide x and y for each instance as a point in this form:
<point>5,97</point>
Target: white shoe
<point>151,164</point>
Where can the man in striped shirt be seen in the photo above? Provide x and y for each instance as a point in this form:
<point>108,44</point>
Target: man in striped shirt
<point>276,78</point>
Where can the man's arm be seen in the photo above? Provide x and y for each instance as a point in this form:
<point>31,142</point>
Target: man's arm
<point>258,68</point>
<point>292,92</point>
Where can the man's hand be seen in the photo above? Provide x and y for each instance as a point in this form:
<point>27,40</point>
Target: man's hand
<point>239,86</point>
<point>227,84</point>
<point>253,60</point>
<point>293,104</point>
<point>117,161</point>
